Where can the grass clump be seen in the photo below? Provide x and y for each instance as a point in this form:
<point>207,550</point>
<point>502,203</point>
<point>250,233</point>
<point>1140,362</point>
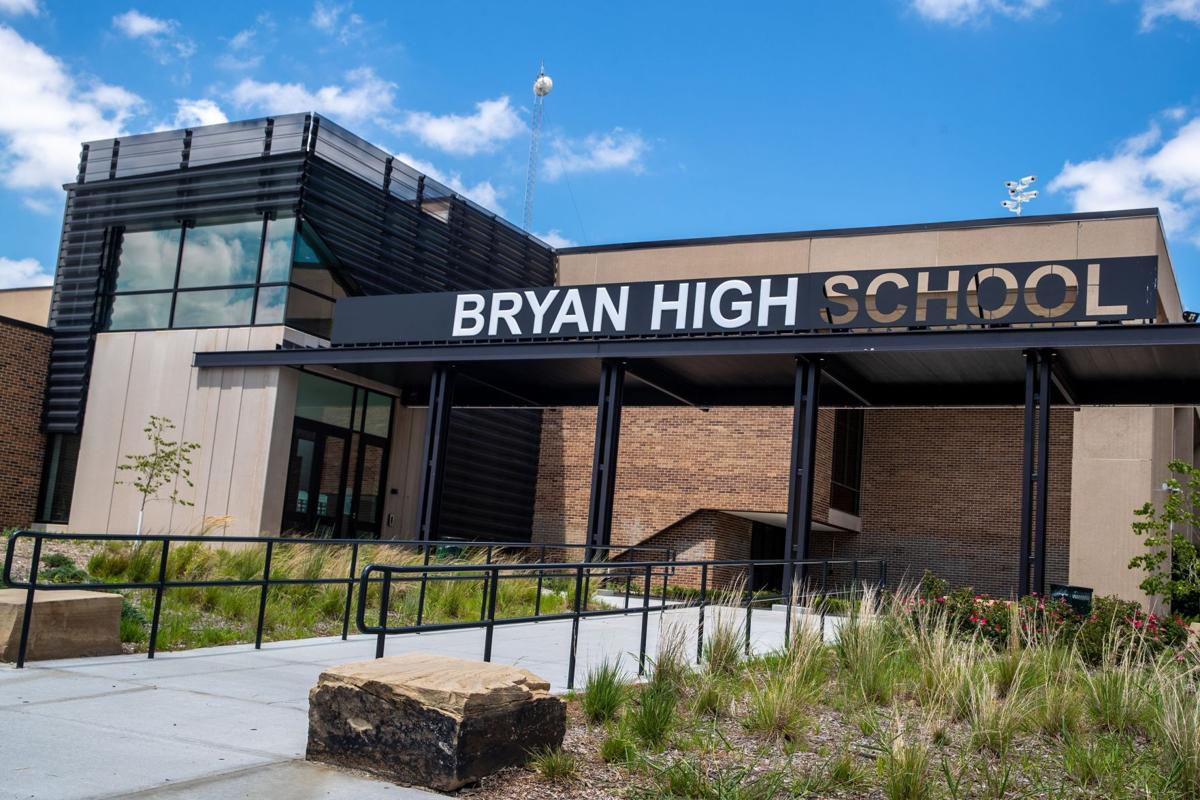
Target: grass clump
<point>604,692</point>
<point>554,764</point>
<point>868,654</point>
<point>653,717</point>
<point>903,765</point>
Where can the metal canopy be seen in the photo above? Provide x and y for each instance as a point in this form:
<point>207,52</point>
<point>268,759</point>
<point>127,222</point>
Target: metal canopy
<point>1096,365</point>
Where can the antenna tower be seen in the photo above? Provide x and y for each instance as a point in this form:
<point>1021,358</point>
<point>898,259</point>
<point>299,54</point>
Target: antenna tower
<point>541,87</point>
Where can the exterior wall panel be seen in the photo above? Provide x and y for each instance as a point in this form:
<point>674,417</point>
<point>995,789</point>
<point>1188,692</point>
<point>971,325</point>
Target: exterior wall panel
<point>24,357</point>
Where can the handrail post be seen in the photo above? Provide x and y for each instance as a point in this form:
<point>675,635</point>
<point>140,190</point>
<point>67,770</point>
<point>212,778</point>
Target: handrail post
<point>645,622</point>
<point>483,600</point>
<point>158,598</point>
<point>491,616</point>
<point>537,599</point>
<point>666,577</point>
<point>703,603</point>
<point>749,603</point>
<point>350,590</point>
<point>574,628</point>
<point>853,580</point>
<point>421,592</point>
<point>33,571</point>
<point>262,596</point>
<point>385,599</point>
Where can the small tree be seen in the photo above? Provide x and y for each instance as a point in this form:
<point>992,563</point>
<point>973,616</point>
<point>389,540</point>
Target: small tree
<point>167,463</point>
<point>1171,561</point>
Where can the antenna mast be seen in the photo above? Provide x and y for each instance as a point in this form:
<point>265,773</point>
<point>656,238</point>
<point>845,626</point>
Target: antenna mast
<point>541,87</point>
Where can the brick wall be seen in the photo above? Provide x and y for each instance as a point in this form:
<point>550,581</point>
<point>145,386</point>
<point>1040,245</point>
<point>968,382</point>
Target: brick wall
<point>24,357</point>
<point>670,463</point>
<point>941,487</point>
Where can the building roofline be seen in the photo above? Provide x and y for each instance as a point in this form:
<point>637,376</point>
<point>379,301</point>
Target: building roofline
<point>826,233</point>
<point>20,323</point>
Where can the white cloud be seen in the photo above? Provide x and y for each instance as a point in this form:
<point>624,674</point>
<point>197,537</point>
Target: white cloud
<point>555,239</point>
<point>616,150</point>
<point>484,192</point>
<point>16,7</point>
<point>21,272</point>
<point>39,147</point>
<point>162,35</point>
<point>194,113</point>
<point>957,12</point>
<point>38,205</point>
<point>337,20</point>
<point>1154,10</point>
<point>363,95</point>
<point>493,122</point>
<point>1151,169</point>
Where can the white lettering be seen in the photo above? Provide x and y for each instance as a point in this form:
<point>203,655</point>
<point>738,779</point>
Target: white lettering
<point>505,306</point>
<point>678,305</point>
<point>539,309</point>
<point>698,306</point>
<point>462,313</point>
<point>787,301</point>
<point>570,313</point>
<point>741,308</point>
<point>614,311</point>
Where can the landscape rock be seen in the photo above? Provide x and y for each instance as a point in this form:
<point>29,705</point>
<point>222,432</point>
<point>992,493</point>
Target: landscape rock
<point>430,720</point>
<point>66,624</point>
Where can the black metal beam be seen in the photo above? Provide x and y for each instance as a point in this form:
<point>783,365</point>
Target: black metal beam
<point>660,380</point>
<point>842,377</point>
<point>986,339</point>
<point>1027,477</point>
<point>433,464</point>
<point>604,459</point>
<point>1045,401</point>
<point>1062,381</point>
<point>805,406</point>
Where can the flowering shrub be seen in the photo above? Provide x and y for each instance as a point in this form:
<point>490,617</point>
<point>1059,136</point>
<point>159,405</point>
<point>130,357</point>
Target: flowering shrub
<point>1112,624</point>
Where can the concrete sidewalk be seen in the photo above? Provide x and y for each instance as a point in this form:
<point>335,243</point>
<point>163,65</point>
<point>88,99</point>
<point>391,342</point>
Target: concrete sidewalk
<point>232,722</point>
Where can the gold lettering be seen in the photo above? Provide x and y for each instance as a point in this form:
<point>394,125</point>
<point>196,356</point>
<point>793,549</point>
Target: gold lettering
<point>1094,309</point>
<point>949,295</point>
<point>850,284</point>
<point>873,289</point>
<point>1010,295</point>
<point>1070,296</point>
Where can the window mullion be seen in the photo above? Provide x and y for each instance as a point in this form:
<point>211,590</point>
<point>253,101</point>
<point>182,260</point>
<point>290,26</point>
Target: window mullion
<point>178,265</point>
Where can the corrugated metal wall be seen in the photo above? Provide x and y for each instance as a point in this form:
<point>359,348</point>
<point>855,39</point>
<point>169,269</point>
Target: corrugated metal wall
<point>392,230</point>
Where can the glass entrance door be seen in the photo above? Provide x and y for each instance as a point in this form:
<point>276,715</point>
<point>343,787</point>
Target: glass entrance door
<point>314,489</point>
<point>336,476</point>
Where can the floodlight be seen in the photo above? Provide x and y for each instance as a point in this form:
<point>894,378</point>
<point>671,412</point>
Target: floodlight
<point>1191,317</point>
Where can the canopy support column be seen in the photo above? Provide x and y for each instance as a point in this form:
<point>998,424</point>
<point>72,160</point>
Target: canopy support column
<point>604,459</point>
<point>1035,472</point>
<point>800,474</point>
<point>433,465</point>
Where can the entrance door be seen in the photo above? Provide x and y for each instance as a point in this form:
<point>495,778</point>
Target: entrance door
<point>314,489</point>
<point>766,544</point>
<point>370,468</point>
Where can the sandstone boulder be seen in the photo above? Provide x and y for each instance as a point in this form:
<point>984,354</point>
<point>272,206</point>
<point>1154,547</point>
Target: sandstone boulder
<point>431,720</point>
<point>66,624</point>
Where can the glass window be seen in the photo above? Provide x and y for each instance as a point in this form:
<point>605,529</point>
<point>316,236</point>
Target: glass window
<point>271,303</point>
<point>311,269</point>
<point>378,414</point>
<point>134,312</point>
<point>324,400</point>
<point>277,254</point>
<point>309,313</point>
<point>58,480</point>
<point>213,308</point>
<point>221,255</point>
<point>846,480</point>
<point>147,260</point>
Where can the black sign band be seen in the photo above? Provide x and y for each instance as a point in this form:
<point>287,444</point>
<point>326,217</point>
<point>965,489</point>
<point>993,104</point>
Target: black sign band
<point>1110,289</point>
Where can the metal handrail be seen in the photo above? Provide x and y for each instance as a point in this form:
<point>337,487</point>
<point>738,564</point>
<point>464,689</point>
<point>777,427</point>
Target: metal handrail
<point>582,571</point>
<point>265,582</point>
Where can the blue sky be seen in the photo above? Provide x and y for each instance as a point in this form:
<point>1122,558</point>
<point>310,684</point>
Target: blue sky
<point>667,120</point>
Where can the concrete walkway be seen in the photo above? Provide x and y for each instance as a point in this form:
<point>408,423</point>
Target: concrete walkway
<point>230,722</point>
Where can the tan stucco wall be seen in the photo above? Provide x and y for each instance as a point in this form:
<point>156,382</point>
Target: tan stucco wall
<point>1129,236</point>
<point>241,418</point>
<point>27,305</point>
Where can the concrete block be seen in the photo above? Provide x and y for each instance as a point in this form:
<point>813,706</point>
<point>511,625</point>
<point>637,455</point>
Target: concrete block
<point>65,624</point>
<point>430,720</point>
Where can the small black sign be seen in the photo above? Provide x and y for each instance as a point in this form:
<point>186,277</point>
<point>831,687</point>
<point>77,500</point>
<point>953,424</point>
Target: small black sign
<point>1109,289</point>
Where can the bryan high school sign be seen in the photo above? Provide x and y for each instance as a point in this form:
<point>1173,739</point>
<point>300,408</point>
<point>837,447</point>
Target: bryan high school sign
<point>1097,290</point>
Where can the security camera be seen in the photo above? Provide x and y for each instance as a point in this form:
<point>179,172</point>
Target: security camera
<point>1008,204</point>
<point>1029,195</point>
<point>1012,186</point>
<point>1028,179</point>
